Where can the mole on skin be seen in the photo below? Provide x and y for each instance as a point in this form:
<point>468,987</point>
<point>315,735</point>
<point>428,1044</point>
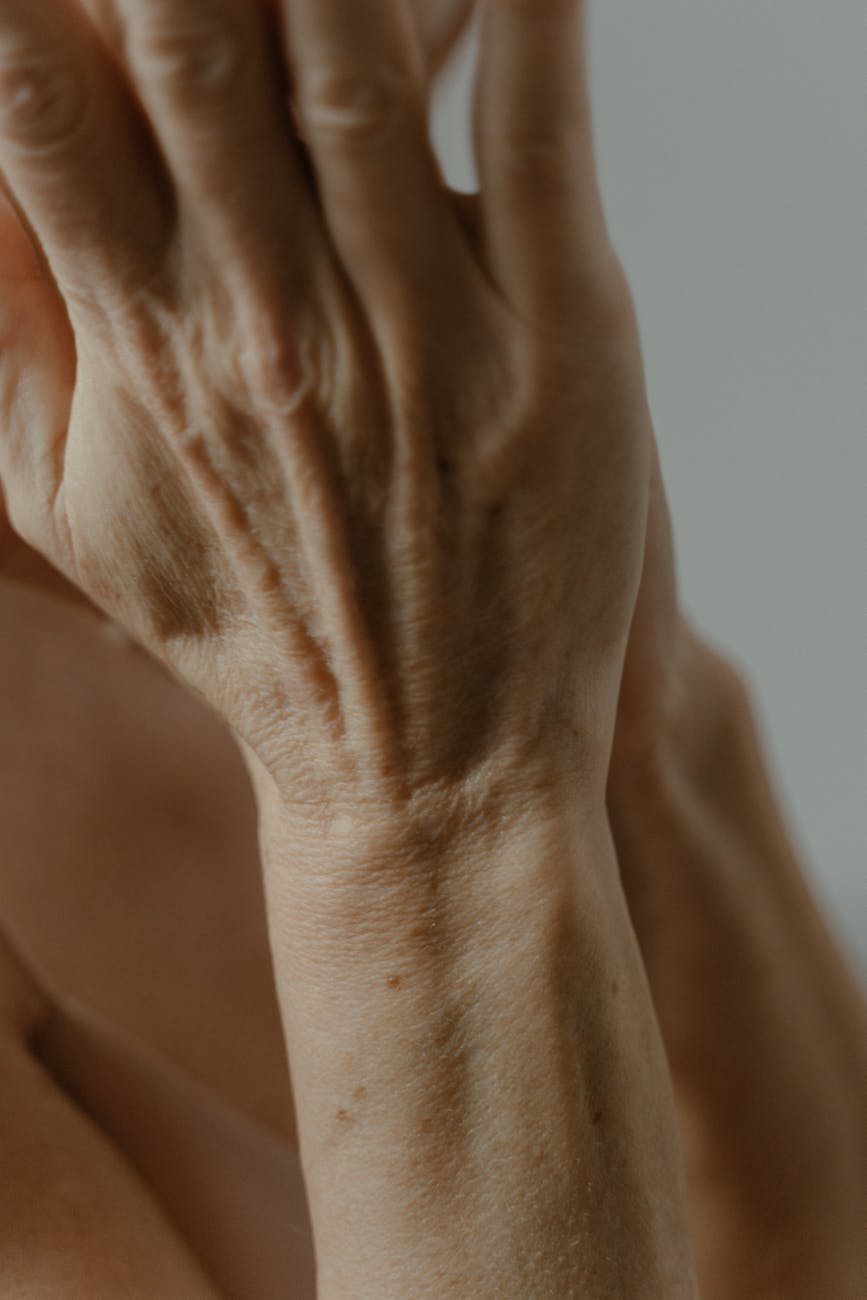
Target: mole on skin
<point>343,1115</point>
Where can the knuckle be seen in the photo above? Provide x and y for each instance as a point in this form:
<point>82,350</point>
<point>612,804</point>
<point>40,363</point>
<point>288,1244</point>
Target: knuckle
<point>44,97</point>
<point>539,160</point>
<point>603,297</point>
<point>355,106</point>
<point>191,56</point>
<point>286,367</point>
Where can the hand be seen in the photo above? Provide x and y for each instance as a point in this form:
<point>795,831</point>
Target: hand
<point>172,770</point>
<point>441,23</point>
<point>170,766</point>
<point>346,483</point>
<point>331,457</point>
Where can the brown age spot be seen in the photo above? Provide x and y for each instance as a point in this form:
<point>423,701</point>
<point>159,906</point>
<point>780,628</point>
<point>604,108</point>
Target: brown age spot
<point>394,981</point>
<point>360,1093</point>
<point>343,1116</point>
<point>597,1118</point>
<point>615,987</point>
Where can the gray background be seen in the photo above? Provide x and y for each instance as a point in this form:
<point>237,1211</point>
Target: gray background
<point>732,138</point>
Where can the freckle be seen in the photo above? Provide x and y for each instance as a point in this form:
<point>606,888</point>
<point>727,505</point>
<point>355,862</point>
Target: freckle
<point>597,1118</point>
<point>393,981</point>
<point>360,1094</point>
<point>615,987</point>
<point>343,1116</point>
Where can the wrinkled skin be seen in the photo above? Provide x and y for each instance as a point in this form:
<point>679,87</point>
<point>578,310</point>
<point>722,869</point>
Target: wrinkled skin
<point>29,293</point>
<point>90,701</point>
<point>448,466</point>
<point>43,350</point>
<point>146,407</point>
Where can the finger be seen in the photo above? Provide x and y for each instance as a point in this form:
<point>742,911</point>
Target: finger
<point>359,88</point>
<point>35,262</point>
<point>76,153</point>
<point>19,253</point>
<point>214,88</point>
<point>544,227</point>
<point>441,23</point>
<point>37,370</point>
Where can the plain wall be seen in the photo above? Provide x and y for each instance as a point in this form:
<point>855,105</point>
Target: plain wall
<point>732,139</point>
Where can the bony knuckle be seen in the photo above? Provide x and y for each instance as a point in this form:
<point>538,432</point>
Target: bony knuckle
<point>286,370</point>
<point>191,57</point>
<point>44,98</point>
<point>604,289</point>
<point>355,105</point>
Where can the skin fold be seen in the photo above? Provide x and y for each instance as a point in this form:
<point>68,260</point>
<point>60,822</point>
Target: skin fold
<point>666,672</point>
<point>265,452</point>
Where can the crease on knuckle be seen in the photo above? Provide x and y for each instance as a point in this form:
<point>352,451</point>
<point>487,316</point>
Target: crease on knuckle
<point>356,106</point>
<point>543,159</point>
<point>45,100</point>
<point>191,57</point>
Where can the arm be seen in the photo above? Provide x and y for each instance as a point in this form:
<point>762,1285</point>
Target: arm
<point>321,456</point>
<point>763,1026</point>
<point>765,1030</point>
<point>482,1099</point>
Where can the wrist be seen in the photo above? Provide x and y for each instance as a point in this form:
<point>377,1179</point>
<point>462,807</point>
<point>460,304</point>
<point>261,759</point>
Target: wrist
<point>467,1019</point>
<point>378,856</point>
<point>702,729</point>
<point>372,881</point>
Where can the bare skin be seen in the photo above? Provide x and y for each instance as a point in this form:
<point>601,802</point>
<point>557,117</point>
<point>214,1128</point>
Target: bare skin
<point>685,901</point>
<point>209,764</point>
<point>84,687</point>
<point>764,1026</point>
<point>325,452</point>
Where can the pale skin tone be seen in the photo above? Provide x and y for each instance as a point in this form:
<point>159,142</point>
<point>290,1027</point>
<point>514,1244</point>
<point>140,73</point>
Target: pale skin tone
<point>367,937</point>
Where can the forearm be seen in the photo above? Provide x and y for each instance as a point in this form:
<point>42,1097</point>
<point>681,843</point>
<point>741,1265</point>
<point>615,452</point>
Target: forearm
<point>482,1100</point>
<point>773,1089</point>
